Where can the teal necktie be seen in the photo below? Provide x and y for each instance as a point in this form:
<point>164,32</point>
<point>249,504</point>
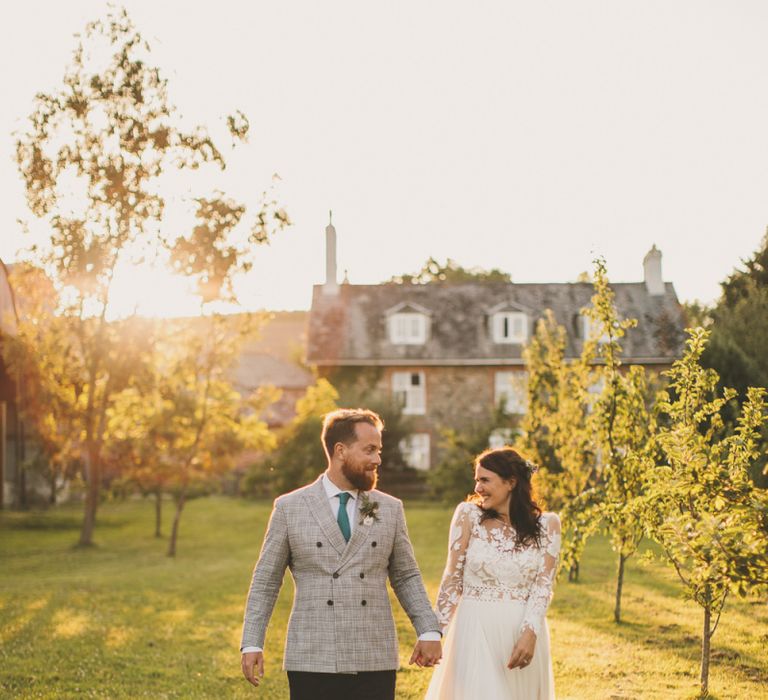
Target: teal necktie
<point>342,518</point>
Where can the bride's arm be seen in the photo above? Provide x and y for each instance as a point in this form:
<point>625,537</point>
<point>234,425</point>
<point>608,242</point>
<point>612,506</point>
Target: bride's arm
<point>541,592</point>
<point>452,582</point>
<point>539,597</point>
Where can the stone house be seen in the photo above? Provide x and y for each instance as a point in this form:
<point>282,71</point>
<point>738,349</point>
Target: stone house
<point>450,353</point>
<point>11,427</point>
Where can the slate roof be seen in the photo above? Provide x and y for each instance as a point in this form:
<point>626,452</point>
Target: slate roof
<point>350,328</point>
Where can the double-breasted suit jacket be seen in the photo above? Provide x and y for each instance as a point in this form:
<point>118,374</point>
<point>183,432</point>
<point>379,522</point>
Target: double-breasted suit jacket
<point>341,620</point>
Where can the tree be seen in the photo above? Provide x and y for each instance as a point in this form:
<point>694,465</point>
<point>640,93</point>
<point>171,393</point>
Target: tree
<point>451,271</point>
<point>299,456</point>
<point>739,336</point>
<point>701,505</point>
<point>188,412</point>
<point>624,430</point>
<point>111,130</point>
<point>452,479</point>
<point>557,433</point>
<point>38,356</point>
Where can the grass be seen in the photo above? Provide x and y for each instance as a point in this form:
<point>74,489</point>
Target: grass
<point>121,620</point>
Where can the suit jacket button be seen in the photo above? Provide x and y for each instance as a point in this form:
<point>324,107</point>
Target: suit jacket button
<point>362,575</point>
<point>373,544</point>
<point>335,574</point>
<point>319,544</point>
<point>363,603</point>
<point>330,602</point>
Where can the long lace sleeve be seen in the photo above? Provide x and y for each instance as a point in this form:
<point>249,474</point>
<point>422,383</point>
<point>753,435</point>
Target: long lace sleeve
<point>452,582</point>
<point>541,592</point>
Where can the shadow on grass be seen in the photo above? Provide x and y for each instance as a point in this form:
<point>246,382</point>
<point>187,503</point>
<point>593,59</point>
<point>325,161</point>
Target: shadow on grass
<point>54,521</point>
<point>655,631</point>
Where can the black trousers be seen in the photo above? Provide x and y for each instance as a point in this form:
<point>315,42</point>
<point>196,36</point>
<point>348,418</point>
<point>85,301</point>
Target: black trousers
<point>368,685</point>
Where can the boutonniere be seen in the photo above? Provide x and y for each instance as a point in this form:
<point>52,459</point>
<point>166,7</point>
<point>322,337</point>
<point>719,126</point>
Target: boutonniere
<point>368,509</point>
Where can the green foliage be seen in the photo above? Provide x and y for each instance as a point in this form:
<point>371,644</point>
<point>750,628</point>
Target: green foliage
<point>558,434</point>
<point>624,432</point>
<point>452,272</point>
<point>299,457</point>
<point>739,336</point>
<point>110,135</point>
<point>182,426</point>
<point>701,505</point>
<point>452,479</point>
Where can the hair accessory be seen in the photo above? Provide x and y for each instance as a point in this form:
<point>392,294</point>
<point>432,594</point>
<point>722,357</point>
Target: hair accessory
<point>531,467</point>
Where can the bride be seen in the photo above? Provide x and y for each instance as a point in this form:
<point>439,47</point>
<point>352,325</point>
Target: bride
<point>497,584</point>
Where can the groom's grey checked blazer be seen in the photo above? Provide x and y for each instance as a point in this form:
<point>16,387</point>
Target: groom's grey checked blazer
<point>341,621</point>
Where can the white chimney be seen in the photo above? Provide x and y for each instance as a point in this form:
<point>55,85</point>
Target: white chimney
<point>331,285</point>
<point>652,272</point>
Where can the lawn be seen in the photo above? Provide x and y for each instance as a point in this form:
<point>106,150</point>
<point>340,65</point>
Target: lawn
<point>121,620</point>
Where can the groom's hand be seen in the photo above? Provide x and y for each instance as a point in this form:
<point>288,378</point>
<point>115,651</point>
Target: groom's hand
<point>253,666</point>
<point>426,653</point>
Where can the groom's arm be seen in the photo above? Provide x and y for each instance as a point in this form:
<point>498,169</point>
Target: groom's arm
<point>405,577</point>
<point>267,578</point>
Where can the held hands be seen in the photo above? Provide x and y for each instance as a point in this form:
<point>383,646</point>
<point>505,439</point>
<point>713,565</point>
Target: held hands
<point>523,651</point>
<point>426,653</point>
<point>253,666</point>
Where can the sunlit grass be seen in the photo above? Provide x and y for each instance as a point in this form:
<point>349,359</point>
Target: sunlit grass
<point>121,620</point>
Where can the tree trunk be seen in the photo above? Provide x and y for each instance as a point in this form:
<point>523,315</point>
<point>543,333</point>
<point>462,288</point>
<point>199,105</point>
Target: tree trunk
<point>158,511</point>
<point>180,501</point>
<point>573,573</point>
<point>619,586</point>
<point>705,649</point>
<point>52,498</point>
<point>93,481</point>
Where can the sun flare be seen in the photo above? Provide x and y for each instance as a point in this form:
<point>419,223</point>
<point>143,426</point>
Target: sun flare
<point>152,291</point>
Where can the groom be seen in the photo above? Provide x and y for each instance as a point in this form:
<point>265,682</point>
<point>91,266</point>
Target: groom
<point>341,540</point>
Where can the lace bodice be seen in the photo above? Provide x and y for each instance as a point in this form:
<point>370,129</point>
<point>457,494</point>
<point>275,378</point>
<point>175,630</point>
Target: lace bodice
<point>485,564</point>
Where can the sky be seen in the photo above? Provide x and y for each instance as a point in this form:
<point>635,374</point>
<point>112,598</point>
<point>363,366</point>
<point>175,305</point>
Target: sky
<point>527,136</point>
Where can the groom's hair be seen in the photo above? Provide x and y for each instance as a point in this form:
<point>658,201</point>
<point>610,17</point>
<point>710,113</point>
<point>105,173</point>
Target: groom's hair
<point>339,426</point>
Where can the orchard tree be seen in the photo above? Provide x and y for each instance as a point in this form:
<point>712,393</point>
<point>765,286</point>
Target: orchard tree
<point>110,136</point>
<point>702,507</point>
<point>624,431</point>
<point>558,434</point>
<point>190,415</point>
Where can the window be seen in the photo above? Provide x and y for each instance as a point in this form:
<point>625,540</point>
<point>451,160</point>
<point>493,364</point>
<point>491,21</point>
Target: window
<point>408,329</point>
<point>410,392</point>
<point>499,437</point>
<point>511,388</point>
<point>510,327</point>
<point>595,391</point>
<point>415,449</point>
<point>590,327</point>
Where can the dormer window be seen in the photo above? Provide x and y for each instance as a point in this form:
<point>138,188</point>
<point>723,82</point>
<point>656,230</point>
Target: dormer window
<point>510,327</point>
<point>408,328</point>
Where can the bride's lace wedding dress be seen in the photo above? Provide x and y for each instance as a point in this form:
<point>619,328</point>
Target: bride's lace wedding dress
<point>491,591</point>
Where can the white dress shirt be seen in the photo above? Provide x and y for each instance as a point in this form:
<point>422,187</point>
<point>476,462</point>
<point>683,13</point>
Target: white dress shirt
<point>332,491</point>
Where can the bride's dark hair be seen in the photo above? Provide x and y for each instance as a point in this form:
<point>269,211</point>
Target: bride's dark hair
<point>524,512</point>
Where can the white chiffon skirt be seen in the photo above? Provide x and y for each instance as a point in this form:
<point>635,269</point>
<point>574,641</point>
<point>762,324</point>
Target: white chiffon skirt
<point>476,649</point>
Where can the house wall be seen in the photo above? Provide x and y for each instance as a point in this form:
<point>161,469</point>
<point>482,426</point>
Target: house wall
<point>456,396</point>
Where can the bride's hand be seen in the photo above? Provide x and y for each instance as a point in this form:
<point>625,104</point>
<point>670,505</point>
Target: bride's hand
<point>523,651</point>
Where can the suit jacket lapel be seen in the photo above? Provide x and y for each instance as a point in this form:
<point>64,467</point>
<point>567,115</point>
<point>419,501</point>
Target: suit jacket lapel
<point>317,503</point>
<point>360,533</point>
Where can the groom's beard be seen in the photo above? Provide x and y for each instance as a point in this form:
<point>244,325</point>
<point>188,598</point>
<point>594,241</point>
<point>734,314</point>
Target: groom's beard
<point>360,478</point>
